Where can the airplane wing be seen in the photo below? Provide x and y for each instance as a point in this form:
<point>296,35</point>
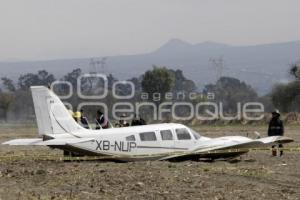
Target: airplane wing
<point>235,144</point>
<point>229,146</point>
<point>275,140</point>
<point>52,142</point>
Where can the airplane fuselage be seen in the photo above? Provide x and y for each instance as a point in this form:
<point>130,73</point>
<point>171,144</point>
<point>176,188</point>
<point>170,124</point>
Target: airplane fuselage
<point>150,141</point>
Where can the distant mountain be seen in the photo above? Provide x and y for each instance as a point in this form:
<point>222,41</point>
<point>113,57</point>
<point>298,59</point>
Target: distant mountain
<point>259,65</point>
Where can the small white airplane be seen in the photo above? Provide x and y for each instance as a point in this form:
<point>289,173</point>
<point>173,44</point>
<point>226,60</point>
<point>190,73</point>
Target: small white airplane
<point>168,141</point>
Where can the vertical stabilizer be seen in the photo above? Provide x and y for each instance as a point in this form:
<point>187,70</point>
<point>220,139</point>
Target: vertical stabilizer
<point>51,114</point>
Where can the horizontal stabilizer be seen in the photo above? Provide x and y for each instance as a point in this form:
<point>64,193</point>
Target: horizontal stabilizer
<point>64,141</point>
<point>31,141</point>
<point>52,142</point>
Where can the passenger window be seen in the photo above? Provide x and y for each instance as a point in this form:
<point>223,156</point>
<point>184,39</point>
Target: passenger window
<point>166,135</point>
<point>183,134</point>
<point>130,138</point>
<point>148,136</point>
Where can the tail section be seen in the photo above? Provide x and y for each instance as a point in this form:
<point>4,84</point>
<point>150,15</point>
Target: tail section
<point>51,114</point>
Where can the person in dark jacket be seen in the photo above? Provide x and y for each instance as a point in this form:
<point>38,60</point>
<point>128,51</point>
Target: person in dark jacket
<point>138,121</point>
<point>142,121</point>
<point>276,129</point>
<point>84,120</point>
<point>135,121</point>
<point>101,121</point>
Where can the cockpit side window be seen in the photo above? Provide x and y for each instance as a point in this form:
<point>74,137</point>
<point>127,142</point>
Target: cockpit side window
<point>195,134</point>
<point>130,138</point>
<point>166,135</point>
<point>148,136</point>
<point>183,134</point>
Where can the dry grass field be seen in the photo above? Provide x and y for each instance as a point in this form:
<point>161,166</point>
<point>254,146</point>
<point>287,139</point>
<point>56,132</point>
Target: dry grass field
<point>256,175</point>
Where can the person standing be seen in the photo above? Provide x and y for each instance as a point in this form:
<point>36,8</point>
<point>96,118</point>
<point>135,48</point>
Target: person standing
<point>138,121</point>
<point>84,120</point>
<point>276,129</point>
<point>122,122</point>
<point>142,121</point>
<point>101,121</point>
<point>77,116</point>
<point>135,121</point>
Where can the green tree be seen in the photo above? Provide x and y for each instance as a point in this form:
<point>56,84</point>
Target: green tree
<point>27,80</point>
<point>158,80</point>
<point>182,83</point>
<point>156,83</point>
<point>286,97</point>
<point>6,100</point>
<point>110,81</point>
<point>8,84</point>
<point>45,78</point>
<point>72,77</point>
<point>30,79</point>
<point>231,91</point>
<point>295,71</point>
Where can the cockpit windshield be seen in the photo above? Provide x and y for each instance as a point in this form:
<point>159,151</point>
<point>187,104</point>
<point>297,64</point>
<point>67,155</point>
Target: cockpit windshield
<point>195,134</point>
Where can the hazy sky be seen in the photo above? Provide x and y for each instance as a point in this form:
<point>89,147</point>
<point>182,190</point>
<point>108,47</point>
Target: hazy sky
<point>47,29</point>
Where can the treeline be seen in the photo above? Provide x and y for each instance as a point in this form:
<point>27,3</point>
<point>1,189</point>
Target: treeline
<point>286,97</point>
<point>16,102</point>
<point>167,84</point>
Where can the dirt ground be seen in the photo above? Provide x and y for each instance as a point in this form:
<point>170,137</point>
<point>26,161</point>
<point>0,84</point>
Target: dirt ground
<point>256,175</point>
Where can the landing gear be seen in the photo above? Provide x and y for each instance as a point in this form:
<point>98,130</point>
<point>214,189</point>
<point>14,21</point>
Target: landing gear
<point>71,154</point>
<point>274,150</point>
<point>67,153</point>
